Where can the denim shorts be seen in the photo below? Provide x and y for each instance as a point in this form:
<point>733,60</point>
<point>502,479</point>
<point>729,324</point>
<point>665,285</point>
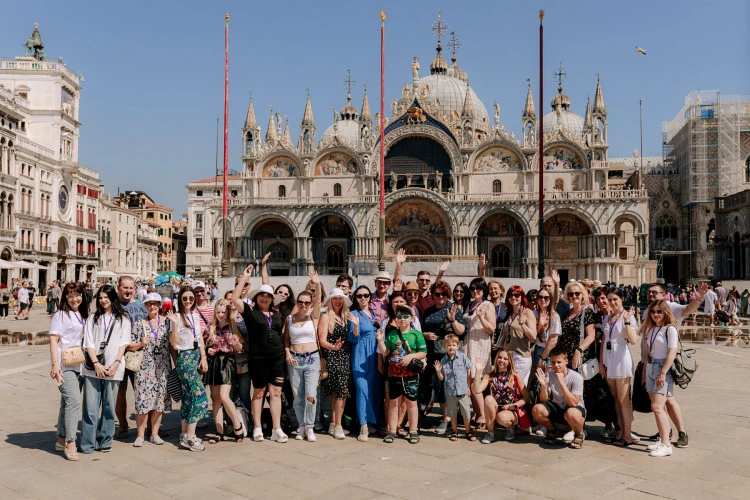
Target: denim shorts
<point>652,373</point>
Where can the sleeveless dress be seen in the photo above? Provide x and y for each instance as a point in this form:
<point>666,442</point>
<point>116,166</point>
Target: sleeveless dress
<point>339,364</point>
<point>478,343</point>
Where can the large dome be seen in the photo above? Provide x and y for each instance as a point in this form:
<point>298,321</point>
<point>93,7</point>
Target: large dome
<point>347,130</point>
<point>451,92</point>
<point>570,120</point>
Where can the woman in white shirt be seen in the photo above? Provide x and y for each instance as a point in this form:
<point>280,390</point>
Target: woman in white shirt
<point>616,363</point>
<point>660,334</point>
<point>187,339</point>
<point>66,332</point>
<point>107,332</point>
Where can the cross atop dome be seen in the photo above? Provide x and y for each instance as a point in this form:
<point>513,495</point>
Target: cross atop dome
<point>560,75</point>
<point>439,27</point>
<point>348,81</point>
<point>454,44</point>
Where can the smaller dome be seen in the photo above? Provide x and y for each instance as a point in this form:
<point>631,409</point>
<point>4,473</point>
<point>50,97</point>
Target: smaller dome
<point>457,72</point>
<point>438,66</point>
<point>568,119</point>
<point>347,130</point>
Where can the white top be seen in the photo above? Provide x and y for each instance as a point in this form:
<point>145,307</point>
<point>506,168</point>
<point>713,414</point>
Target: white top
<point>554,328</point>
<point>23,295</point>
<point>660,340</point>
<point>574,383</point>
<point>678,311</point>
<point>614,329</point>
<point>304,334</point>
<point>187,335</point>
<point>69,327</point>
<point>710,298</point>
<point>95,335</point>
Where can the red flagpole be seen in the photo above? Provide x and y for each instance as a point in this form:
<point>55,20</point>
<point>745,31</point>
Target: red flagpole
<point>541,146</point>
<point>381,235</point>
<point>226,115</point>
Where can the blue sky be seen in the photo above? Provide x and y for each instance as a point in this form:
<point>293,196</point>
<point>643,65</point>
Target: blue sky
<point>154,69</point>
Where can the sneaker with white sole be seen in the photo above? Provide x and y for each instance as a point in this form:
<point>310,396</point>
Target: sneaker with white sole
<point>310,435</point>
<point>300,434</point>
<point>663,450</point>
<point>331,429</point>
<point>510,435</point>
<point>540,430</point>
<point>682,440</point>
<point>488,438</point>
<point>653,446</point>
<point>364,434</point>
<point>195,444</point>
<point>442,427</point>
<point>338,432</point>
<point>279,436</point>
<point>155,439</point>
<point>138,443</point>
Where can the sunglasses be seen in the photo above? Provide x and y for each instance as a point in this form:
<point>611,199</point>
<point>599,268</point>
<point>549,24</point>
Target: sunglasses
<point>574,294</point>
<point>304,302</point>
<point>424,280</point>
<point>515,295</point>
<point>439,294</point>
<point>199,292</point>
<point>653,292</point>
<point>188,299</point>
<point>403,316</point>
<point>363,295</point>
<point>542,297</point>
<point>474,289</point>
<point>285,294</point>
<point>657,312</point>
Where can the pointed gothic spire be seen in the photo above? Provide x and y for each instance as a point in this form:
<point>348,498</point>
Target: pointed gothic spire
<point>529,110</point>
<point>599,106</point>
<point>250,121</point>
<point>287,136</point>
<point>365,115</point>
<point>587,116</point>
<point>468,103</point>
<point>307,117</point>
<point>271,132</point>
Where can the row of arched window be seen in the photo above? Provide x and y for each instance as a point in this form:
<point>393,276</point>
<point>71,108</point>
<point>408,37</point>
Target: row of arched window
<point>336,190</point>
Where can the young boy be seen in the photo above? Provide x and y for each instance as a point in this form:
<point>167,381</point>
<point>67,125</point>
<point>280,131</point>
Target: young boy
<point>560,398</point>
<point>401,347</point>
<point>453,369</point>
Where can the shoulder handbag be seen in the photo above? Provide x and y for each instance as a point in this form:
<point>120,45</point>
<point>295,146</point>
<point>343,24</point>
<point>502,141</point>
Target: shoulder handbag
<point>134,359</point>
<point>73,356</point>
<point>590,368</point>
<point>99,357</point>
<point>641,399</point>
<point>323,362</point>
<point>684,366</point>
<point>415,365</point>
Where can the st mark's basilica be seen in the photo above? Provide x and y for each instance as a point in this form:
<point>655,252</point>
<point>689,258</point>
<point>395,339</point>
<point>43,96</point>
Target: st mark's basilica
<point>457,184</point>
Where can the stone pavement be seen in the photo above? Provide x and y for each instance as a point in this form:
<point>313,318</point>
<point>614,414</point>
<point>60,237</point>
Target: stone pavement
<point>715,465</point>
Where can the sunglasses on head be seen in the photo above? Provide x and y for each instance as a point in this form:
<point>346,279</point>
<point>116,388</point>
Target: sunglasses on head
<point>574,294</point>
<point>439,294</point>
<point>363,295</point>
<point>403,316</point>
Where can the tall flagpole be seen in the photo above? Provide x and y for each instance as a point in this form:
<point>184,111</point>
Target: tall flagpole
<point>224,263</point>
<point>541,146</point>
<point>381,226</point>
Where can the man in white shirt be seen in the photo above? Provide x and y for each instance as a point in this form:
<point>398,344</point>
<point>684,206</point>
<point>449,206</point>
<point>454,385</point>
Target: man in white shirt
<point>656,291</point>
<point>710,307</point>
<point>23,301</point>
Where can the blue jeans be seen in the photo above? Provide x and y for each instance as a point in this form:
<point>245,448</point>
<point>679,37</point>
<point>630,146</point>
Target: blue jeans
<point>304,378</point>
<point>70,405</point>
<point>244,382</point>
<point>97,433</point>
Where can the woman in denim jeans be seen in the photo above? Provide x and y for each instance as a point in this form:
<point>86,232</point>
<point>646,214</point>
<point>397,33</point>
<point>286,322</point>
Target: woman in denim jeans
<point>303,358</point>
<point>66,330</point>
<point>108,332</point>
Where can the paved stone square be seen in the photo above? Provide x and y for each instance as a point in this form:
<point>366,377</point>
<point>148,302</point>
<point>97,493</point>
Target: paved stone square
<point>715,465</point>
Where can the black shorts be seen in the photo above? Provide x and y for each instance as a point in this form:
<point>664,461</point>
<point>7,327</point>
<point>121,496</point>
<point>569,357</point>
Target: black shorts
<point>407,387</point>
<point>23,305</point>
<point>129,374</point>
<point>264,371</point>
<point>557,413</point>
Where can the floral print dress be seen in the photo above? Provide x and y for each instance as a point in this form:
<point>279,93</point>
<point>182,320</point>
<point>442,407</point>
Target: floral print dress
<point>151,379</point>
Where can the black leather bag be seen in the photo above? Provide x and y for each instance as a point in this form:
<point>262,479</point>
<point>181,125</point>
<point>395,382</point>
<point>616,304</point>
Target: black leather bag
<point>99,357</point>
<point>641,399</point>
<point>415,365</point>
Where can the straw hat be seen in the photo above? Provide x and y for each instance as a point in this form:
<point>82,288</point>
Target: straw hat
<point>383,276</point>
<point>410,285</point>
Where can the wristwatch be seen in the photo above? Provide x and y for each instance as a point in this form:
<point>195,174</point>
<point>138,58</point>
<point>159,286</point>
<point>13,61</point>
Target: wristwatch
<point>579,349</point>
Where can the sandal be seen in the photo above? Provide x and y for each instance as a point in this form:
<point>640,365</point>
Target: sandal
<point>402,432</point>
<point>413,437</point>
<point>239,434</point>
<point>258,434</point>
<point>389,437</point>
<point>551,436</point>
<point>470,436</point>
<point>577,442</point>
<point>453,437</point>
<point>622,443</point>
<point>480,426</point>
<point>218,439</point>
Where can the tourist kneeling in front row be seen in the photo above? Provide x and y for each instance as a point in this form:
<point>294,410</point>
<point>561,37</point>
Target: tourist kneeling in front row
<point>561,399</point>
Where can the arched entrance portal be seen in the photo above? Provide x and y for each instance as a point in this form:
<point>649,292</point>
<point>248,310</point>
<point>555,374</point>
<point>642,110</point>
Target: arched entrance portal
<point>501,238</point>
<point>417,162</point>
<point>274,237</point>
<point>417,225</point>
<point>568,247</point>
<point>332,244</point>
<point>6,255</point>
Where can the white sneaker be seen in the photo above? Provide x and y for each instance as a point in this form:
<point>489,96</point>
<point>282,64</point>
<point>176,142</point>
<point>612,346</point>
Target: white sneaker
<point>338,432</point>
<point>510,434</point>
<point>540,430</point>
<point>138,442</point>
<point>568,437</point>
<point>442,427</point>
<point>364,434</point>
<point>279,436</point>
<point>635,437</point>
<point>663,450</point>
<point>331,429</point>
<point>155,439</point>
<point>311,435</point>
<point>300,434</point>
<point>653,446</point>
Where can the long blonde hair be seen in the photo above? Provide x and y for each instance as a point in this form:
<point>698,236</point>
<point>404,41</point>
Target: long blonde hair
<point>511,365</point>
<point>227,305</point>
<point>329,311</point>
<point>649,323</point>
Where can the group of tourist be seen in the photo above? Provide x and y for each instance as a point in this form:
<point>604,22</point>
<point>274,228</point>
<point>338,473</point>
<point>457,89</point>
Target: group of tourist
<point>543,361</point>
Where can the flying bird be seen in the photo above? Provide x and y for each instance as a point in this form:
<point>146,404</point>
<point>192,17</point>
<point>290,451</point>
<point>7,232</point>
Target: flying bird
<point>640,49</point>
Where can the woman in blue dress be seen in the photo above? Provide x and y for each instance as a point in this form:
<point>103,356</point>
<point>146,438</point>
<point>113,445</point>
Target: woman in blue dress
<point>362,328</point>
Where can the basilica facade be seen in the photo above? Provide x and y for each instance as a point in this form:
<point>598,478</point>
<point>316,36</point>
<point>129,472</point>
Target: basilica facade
<point>457,184</point>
